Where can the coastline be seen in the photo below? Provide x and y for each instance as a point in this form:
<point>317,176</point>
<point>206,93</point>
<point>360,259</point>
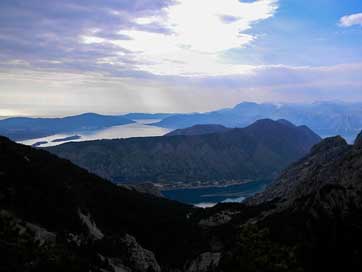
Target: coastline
<point>204,185</point>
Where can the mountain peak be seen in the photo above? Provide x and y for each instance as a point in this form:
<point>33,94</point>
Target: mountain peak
<point>199,130</point>
<point>329,143</point>
<point>358,141</point>
<point>285,122</point>
<point>269,123</point>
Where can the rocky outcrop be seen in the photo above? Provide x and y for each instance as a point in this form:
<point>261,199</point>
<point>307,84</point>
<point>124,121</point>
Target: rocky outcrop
<point>141,259</point>
<point>217,219</point>
<point>94,231</point>
<point>207,261</point>
<point>38,233</point>
<point>41,235</point>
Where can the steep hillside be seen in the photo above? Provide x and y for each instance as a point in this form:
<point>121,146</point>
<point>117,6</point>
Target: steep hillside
<point>259,151</point>
<point>311,215</point>
<point>55,216</point>
<point>81,222</point>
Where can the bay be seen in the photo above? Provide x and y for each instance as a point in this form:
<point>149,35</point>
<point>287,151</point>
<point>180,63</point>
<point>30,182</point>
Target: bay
<point>140,128</point>
<point>210,196</point>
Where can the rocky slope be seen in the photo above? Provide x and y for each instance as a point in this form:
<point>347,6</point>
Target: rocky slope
<point>313,211</point>
<point>259,151</point>
<point>57,217</point>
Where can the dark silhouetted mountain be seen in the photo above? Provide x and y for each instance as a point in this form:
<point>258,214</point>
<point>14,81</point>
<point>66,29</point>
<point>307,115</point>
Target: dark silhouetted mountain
<point>199,130</point>
<point>325,118</point>
<point>55,216</point>
<point>259,151</point>
<point>22,128</point>
<point>332,163</point>
<point>310,216</point>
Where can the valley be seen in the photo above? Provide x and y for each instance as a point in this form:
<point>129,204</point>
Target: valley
<point>305,219</point>
<point>180,136</point>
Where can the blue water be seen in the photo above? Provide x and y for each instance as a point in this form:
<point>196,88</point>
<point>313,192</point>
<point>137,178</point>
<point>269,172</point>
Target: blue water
<point>206,197</point>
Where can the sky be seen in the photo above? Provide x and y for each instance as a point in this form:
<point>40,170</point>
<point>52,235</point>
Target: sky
<point>113,56</point>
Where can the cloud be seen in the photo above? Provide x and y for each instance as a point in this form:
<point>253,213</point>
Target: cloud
<point>351,20</point>
<point>192,36</point>
<point>63,93</point>
<point>46,34</point>
<point>170,37</point>
<point>165,55</point>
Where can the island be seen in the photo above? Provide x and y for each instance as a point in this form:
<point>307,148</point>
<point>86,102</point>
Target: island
<point>37,144</point>
<point>66,139</point>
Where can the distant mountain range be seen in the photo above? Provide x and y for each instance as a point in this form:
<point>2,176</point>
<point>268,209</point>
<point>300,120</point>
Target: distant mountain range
<point>258,151</point>
<point>325,118</point>
<point>23,128</point>
<point>55,216</point>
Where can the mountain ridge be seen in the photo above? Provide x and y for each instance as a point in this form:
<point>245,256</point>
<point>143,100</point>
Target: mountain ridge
<point>307,220</point>
<point>199,130</point>
<point>325,118</point>
<point>255,152</point>
<point>83,220</point>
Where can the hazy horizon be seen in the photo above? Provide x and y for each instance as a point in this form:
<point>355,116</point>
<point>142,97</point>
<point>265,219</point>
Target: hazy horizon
<point>58,113</point>
<point>115,57</point>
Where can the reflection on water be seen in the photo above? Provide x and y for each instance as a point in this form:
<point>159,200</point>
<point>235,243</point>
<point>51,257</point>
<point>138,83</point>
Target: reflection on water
<point>138,129</point>
<point>208,197</point>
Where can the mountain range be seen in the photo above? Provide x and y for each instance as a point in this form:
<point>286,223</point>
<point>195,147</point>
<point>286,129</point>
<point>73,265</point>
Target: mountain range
<point>56,216</point>
<point>325,118</point>
<point>258,151</point>
<point>23,128</point>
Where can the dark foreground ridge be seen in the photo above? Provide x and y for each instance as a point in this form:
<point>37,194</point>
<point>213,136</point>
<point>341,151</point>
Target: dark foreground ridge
<point>258,151</point>
<point>58,217</point>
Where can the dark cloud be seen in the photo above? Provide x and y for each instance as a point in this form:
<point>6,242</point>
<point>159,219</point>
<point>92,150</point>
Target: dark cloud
<point>48,32</point>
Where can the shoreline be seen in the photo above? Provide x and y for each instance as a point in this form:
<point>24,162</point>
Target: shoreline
<point>185,186</point>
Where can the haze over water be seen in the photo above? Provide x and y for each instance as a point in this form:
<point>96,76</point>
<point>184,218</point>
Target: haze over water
<point>138,129</point>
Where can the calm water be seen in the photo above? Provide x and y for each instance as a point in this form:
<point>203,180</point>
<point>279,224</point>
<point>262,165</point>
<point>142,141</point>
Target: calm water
<point>207,197</point>
<point>138,129</point>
